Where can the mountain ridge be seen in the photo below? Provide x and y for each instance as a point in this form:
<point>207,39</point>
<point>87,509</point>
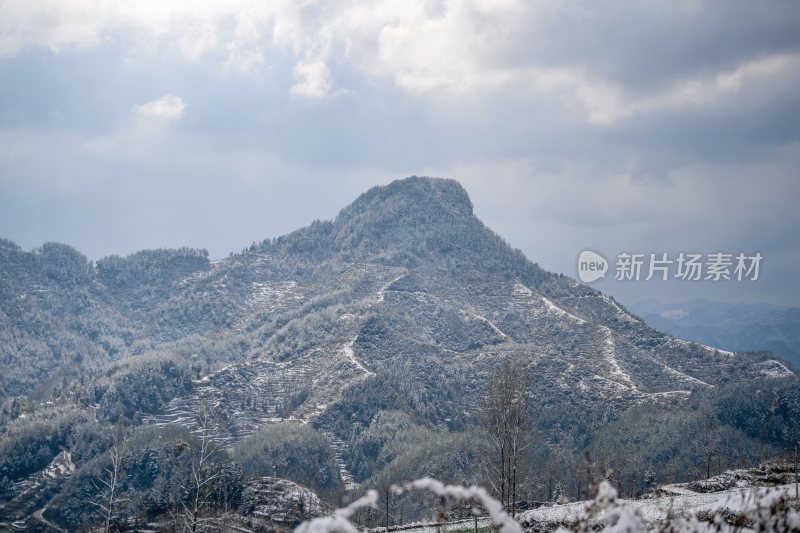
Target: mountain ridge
<point>412,236</point>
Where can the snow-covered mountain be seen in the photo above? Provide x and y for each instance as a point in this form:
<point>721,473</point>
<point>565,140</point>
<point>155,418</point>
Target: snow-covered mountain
<point>388,320</point>
<point>405,288</point>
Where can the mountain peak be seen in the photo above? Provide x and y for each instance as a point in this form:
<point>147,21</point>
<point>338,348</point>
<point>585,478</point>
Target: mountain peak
<point>412,215</point>
<point>414,193</point>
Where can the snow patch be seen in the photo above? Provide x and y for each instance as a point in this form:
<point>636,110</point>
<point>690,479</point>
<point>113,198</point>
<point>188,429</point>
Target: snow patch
<point>773,369</point>
<point>685,377</point>
<point>617,374</point>
<point>347,350</point>
<point>704,347</point>
<point>524,292</point>
<point>385,288</point>
<point>519,288</point>
<point>491,325</point>
<point>553,308</point>
<point>671,394</point>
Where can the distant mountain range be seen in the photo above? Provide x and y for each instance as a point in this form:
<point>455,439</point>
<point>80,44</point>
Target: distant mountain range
<point>736,327</point>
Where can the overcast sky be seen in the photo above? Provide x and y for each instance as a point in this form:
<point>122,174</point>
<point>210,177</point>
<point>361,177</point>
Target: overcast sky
<point>618,126</point>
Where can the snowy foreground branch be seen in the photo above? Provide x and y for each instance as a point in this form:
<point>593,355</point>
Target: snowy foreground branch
<point>339,521</point>
<point>497,514</point>
<point>759,510</point>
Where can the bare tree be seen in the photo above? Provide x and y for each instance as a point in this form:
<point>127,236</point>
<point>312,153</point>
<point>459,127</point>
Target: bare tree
<point>505,417</point>
<point>201,477</point>
<point>387,494</point>
<point>108,485</point>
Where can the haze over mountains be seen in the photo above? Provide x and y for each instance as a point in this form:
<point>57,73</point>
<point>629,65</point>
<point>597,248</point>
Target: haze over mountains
<point>742,327</point>
<point>394,314</point>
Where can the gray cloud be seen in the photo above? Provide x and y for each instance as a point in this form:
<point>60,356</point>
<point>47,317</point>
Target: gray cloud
<point>660,126</point>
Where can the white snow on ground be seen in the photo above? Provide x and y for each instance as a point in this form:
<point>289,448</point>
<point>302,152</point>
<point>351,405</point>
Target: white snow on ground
<point>386,287</point>
<point>339,447</point>
<point>347,350</point>
<point>519,288</point>
<point>491,325</point>
<point>61,466</point>
<point>549,306</point>
<point>553,308</point>
<point>774,369</point>
<point>216,266</point>
<point>671,394</point>
<point>676,489</point>
<point>734,499</point>
<point>654,509</point>
<point>273,296</point>
<point>683,503</point>
<point>685,377</point>
<point>207,377</point>
<point>268,297</point>
<point>608,388</point>
<point>617,374</point>
<point>703,346</point>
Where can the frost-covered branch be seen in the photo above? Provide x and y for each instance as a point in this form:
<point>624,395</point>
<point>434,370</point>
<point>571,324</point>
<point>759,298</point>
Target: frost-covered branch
<point>339,521</point>
<point>495,509</point>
